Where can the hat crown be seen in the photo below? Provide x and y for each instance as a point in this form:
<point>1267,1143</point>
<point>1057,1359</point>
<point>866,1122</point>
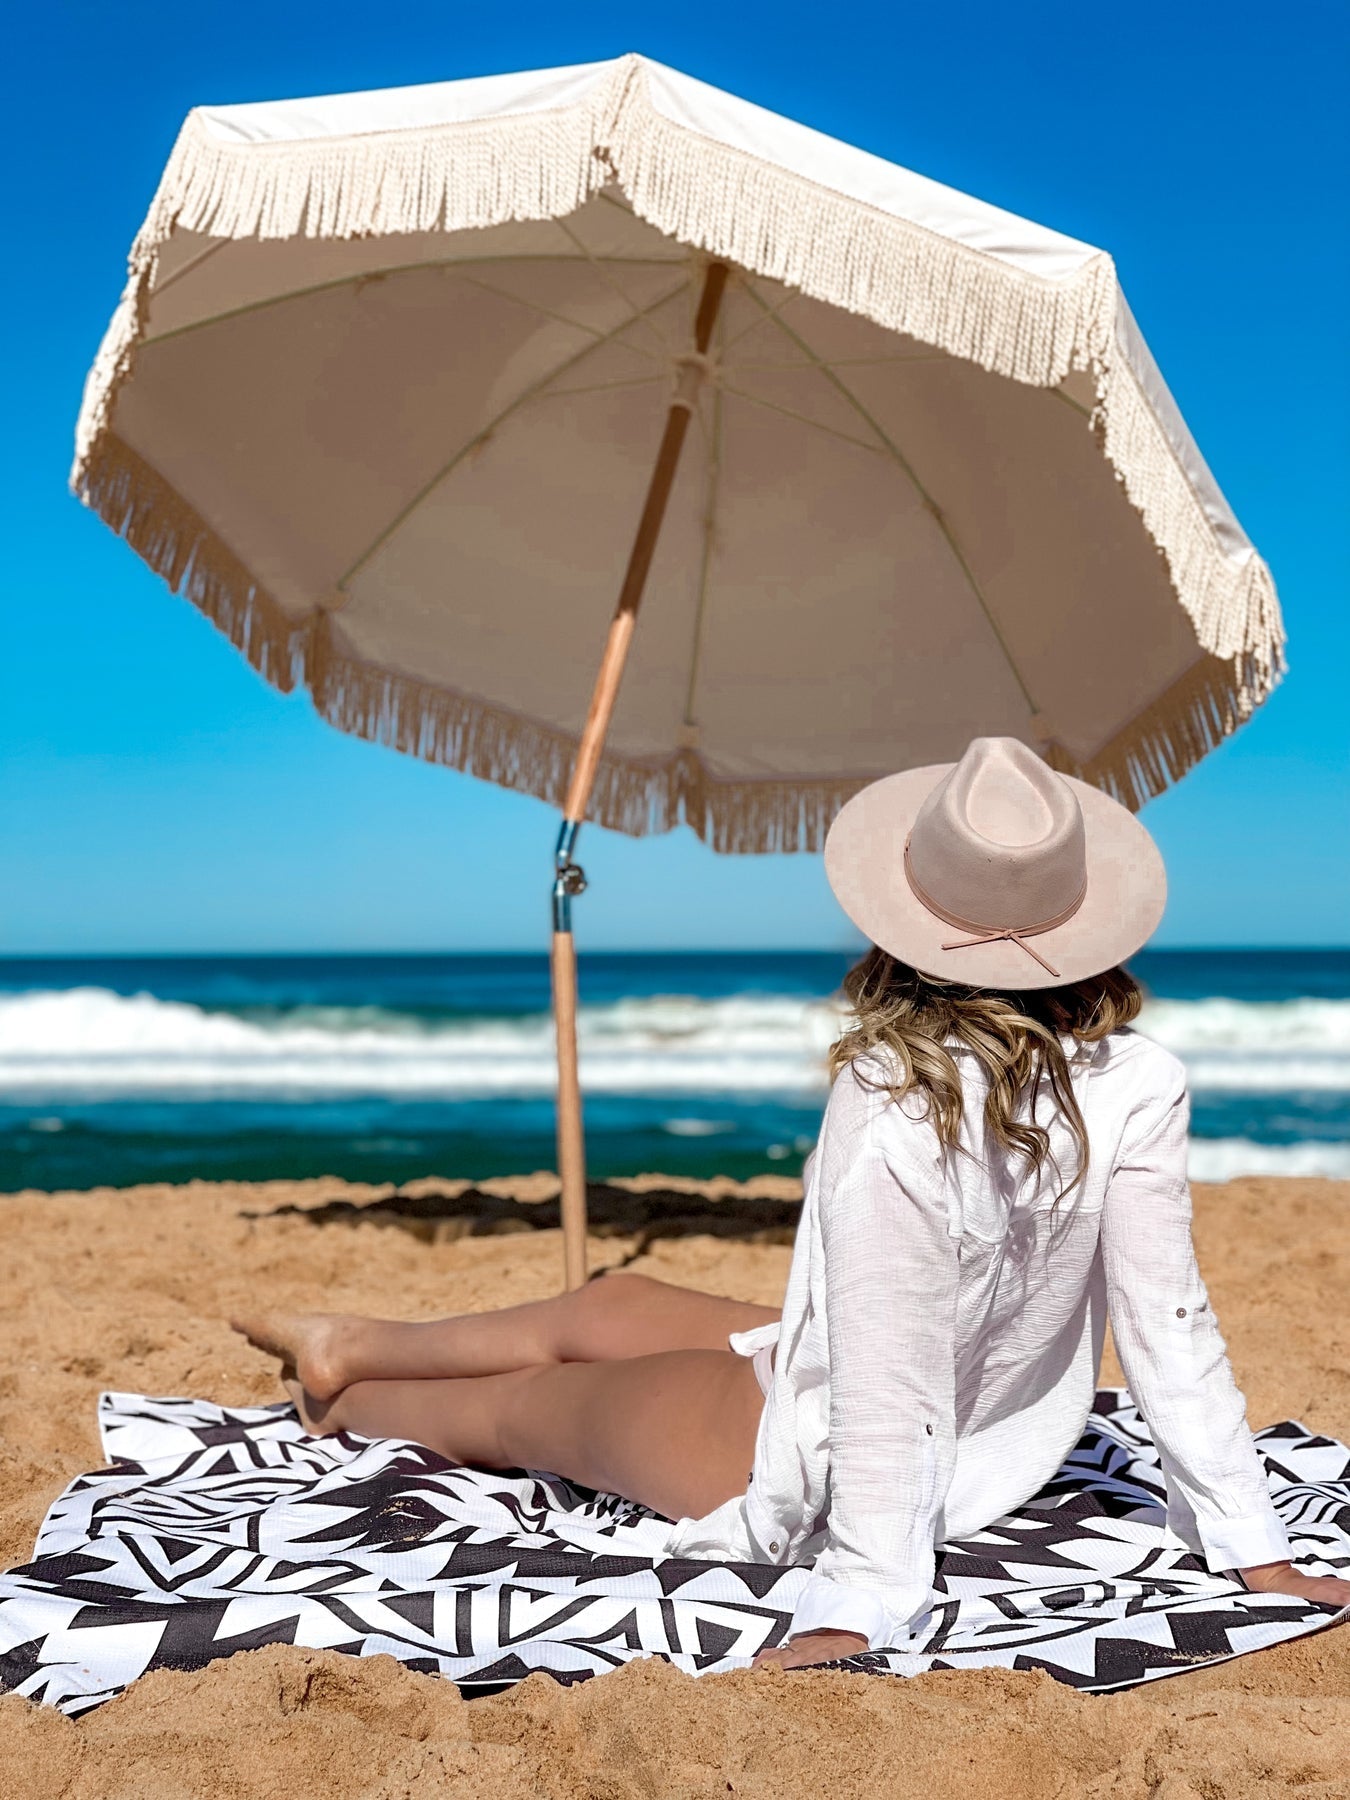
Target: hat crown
<point>999,843</point>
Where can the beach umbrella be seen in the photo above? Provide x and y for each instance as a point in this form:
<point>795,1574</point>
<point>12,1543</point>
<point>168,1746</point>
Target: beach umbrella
<point>406,386</point>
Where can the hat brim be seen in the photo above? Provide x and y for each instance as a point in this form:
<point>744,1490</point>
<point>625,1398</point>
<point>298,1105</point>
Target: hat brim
<point>1123,904</point>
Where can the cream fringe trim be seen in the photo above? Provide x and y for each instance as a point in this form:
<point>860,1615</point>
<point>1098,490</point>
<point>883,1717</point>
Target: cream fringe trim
<point>1158,746</point>
<point>766,220</point>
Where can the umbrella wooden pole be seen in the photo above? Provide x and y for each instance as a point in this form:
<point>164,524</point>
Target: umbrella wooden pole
<point>568,877</point>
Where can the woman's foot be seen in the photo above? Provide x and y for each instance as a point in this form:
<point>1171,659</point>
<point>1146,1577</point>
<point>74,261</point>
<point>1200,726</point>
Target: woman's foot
<point>315,1346</point>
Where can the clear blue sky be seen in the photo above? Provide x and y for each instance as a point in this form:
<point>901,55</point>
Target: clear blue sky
<point>156,795</point>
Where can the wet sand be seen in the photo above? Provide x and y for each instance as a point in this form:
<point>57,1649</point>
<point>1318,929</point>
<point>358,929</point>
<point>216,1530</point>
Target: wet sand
<point>131,1290</point>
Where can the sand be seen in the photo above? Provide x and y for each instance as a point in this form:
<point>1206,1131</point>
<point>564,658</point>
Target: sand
<point>131,1290</point>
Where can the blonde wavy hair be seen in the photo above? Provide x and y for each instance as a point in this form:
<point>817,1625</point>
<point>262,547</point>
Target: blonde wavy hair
<point>912,1019</point>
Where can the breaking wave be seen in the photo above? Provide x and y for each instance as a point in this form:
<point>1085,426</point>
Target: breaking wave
<point>94,1043</point>
<point>1221,1159</point>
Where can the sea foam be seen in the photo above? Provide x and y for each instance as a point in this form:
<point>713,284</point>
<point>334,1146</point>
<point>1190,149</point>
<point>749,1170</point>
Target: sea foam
<point>87,1041</point>
<point>1221,1159</point>
<point>91,1042</point>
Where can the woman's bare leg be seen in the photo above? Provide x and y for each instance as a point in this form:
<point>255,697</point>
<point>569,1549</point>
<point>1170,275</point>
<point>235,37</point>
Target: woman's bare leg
<point>613,1318</point>
<point>675,1430</point>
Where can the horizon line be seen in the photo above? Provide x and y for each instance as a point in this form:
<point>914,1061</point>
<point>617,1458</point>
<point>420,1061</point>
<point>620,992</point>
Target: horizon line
<point>10,956</point>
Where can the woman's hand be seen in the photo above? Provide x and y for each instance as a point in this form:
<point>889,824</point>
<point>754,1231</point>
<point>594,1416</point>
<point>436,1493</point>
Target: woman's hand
<point>815,1647</point>
<point>1284,1578</point>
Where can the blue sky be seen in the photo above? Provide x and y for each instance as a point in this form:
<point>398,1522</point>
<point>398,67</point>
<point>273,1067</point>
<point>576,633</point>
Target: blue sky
<point>156,796</point>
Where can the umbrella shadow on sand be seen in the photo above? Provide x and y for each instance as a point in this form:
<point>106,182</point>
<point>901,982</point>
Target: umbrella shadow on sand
<point>440,1216</point>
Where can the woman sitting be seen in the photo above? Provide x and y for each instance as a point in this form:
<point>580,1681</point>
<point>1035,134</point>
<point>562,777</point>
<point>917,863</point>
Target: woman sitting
<point>1001,1167</point>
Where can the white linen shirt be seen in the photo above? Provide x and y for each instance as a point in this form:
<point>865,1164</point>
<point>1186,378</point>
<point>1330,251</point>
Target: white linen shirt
<point>942,1332</point>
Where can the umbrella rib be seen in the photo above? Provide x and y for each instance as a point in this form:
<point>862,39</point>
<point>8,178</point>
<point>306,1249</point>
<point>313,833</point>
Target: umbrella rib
<point>833,431</point>
<point>603,387</point>
<point>193,262</point>
<point>560,318</point>
<point>481,436</point>
<point>772,312</point>
<point>705,560</point>
<point>903,463</point>
<point>338,281</point>
<point>788,413</point>
<point>613,285</point>
<point>846,362</point>
<point>1084,412</point>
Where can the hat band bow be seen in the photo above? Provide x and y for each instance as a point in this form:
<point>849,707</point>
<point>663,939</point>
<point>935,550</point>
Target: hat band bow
<point>992,934</point>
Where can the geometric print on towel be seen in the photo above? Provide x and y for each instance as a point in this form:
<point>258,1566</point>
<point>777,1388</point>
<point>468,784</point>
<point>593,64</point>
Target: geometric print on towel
<point>219,1529</point>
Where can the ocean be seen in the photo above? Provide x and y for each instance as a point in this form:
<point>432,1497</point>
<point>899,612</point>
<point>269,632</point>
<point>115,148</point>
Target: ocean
<point>116,1070</point>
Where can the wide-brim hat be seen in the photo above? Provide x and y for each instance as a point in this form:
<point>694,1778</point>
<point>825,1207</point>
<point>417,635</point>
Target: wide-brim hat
<point>996,871</point>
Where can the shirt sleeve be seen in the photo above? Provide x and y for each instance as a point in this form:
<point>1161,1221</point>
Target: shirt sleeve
<point>1174,1359</point>
<point>890,1299</point>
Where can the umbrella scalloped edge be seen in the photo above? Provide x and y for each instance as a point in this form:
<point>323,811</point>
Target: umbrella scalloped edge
<point>760,217</point>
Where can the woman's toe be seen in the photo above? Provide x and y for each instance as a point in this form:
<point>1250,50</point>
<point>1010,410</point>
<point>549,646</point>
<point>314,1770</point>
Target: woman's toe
<point>264,1332</point>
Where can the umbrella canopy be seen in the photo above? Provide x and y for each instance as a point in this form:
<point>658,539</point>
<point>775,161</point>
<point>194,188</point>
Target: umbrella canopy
<point>382,398</point>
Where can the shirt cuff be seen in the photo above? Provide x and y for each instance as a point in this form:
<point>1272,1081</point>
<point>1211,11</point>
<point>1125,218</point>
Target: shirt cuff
<point>828,1605</point>
<point>1243,1543</point>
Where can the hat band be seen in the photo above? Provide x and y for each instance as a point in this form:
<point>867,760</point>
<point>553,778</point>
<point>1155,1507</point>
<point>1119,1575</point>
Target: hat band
<point>992,934</point>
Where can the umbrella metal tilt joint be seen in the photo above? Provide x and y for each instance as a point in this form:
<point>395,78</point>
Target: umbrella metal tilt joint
<point>569,880</point>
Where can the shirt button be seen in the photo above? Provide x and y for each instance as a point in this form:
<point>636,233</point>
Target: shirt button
<point>929,1430</point>
<point>1181,1312</point>
<point>773,1546</point>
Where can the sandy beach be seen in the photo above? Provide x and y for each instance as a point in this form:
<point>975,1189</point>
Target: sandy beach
<point>131,1289</point>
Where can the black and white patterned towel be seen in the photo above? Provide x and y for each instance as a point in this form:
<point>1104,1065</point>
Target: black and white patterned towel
<point>220,1529</point>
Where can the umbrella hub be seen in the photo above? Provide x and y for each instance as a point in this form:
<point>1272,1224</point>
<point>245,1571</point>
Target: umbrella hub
<point>692,369</point>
